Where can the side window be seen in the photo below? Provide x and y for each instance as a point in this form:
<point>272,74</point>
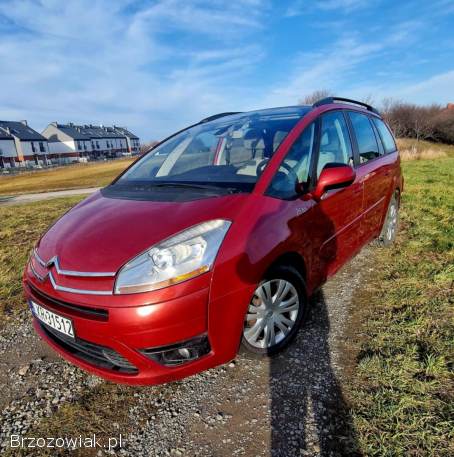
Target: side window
<point>365,137</point>
<point>385,135</point>
<point>295,165</point>
<point>335,143</point>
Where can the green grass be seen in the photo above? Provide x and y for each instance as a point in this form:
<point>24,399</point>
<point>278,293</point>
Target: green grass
<point>403,392</point>
<point>20,228</point>
<point>94,174</point>
<point>402,389</point>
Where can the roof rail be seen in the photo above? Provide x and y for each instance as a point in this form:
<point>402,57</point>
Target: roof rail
<point>328,100</point>
<point>217,116</point>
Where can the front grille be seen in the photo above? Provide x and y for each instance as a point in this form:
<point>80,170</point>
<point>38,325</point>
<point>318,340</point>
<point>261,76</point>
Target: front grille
<point>94,354</point>
<point>81,311</point>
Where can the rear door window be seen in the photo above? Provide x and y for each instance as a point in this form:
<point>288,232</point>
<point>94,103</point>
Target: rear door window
<point>385,135</point>
<point>365,137</point>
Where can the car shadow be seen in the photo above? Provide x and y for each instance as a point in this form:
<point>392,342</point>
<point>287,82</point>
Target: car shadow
<point>309,415</point>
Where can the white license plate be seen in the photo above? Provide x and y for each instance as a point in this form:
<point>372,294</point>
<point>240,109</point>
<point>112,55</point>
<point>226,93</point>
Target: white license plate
<point>59,323</point>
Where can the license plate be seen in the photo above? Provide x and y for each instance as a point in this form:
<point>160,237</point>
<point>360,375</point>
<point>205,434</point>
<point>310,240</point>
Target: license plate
<point>59,323</point>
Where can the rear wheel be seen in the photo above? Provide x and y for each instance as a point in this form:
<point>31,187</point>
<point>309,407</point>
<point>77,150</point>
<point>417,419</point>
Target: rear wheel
<point>275,312</point>
<point>389,229</point>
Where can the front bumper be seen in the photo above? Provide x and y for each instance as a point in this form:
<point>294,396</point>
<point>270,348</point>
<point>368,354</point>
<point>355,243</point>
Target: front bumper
<point>124,330</point>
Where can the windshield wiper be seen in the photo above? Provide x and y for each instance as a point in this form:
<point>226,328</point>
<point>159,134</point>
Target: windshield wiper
<point>188,185</point>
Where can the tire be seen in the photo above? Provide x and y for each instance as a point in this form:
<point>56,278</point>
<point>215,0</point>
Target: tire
<point>266,317</point>
<point>391,224</point>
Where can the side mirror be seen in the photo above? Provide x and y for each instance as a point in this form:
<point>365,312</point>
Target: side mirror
<point>333,176</point>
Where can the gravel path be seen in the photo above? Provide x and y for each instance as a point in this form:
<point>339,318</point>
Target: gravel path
<point>290,405</point>
<point>29,198</point>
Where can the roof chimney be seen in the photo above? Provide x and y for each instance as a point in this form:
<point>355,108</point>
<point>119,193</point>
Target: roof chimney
<point>450,106</point>
<point>24,122</point>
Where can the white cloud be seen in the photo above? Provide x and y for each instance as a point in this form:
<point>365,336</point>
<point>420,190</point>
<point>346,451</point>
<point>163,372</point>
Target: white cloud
<point>154,69</point>
<point>437,89</point>
<point>298,7</point>
<point>338,66</point>
<point>158,67</point>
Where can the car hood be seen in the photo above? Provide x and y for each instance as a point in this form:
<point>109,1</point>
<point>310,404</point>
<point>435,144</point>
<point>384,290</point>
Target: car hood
<point>101,234</point>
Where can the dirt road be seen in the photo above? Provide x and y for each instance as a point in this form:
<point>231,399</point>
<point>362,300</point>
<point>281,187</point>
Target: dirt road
<point>30,198</point>
<point>291,405</point>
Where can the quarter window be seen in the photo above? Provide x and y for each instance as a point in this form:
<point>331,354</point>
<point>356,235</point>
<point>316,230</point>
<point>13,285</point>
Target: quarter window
<point>296,165</point>
<point>385,135</point>
<point>365,137</point>
<point>335,146</point>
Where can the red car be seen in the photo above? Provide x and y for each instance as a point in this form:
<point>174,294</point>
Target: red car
<point>214,239</point>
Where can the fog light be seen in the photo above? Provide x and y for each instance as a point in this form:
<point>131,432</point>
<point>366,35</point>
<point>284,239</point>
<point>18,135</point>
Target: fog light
<point>179,353</point>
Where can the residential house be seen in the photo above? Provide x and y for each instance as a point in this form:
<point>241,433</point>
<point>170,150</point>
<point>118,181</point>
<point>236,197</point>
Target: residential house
<point>30,147</point>
<point>106,142</point>
<point>133,141</point>
<point>67,142</point>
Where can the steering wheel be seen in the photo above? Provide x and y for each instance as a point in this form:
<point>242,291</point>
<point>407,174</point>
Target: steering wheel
<point>290,172</point>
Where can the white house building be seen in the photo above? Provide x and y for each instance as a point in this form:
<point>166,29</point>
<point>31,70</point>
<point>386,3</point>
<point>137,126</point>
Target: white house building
<point>106,142</point>
<point>132,140</point>
<point>8,152</point>
<point>30,148</point>
<point>68,142</point>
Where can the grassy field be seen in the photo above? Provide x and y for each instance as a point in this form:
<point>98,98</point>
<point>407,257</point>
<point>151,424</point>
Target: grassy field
<point>20,228</point>
<point>94,174</point>
<point>411,149</point>
<point>403,391</point>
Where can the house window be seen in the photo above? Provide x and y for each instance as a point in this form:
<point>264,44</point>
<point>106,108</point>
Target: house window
<point>33,147</point>
<point>41,147</point>
<point>85,146</point>
<point>97,144</point>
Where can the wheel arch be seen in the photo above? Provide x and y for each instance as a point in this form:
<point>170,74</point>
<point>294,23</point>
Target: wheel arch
<point>293,259</point>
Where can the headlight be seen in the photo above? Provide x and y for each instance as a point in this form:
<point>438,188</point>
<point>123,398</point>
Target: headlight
<point>183,256</point>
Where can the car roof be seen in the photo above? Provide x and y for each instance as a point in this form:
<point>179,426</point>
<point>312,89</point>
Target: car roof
<point>296,110</point>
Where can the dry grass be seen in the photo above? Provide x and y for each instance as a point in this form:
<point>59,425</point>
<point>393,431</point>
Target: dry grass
<point>70,177</point>
<point>20,228</point>
<point>423,150</point>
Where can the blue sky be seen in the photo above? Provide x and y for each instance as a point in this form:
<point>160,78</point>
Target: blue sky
<point>155,66</point>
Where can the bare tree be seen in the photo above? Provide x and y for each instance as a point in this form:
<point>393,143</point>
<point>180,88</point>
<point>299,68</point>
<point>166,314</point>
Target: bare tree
<point>420,122</point>
<point>368,99</point>
<point>315,96</point>
<point>145,147</point>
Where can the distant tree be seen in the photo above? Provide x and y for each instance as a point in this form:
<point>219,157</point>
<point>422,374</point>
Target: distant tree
<point>444,126</point>
<point>369,99</point>
<point>315,96</point>
<point>145,147</point>
<point>410,120</point>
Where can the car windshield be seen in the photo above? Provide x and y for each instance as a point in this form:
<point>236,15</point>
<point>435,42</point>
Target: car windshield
<point>230,152</point>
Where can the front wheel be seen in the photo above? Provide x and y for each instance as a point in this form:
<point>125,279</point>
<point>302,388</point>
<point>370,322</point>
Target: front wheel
<point>275,312</point>
<point>389,229</point>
